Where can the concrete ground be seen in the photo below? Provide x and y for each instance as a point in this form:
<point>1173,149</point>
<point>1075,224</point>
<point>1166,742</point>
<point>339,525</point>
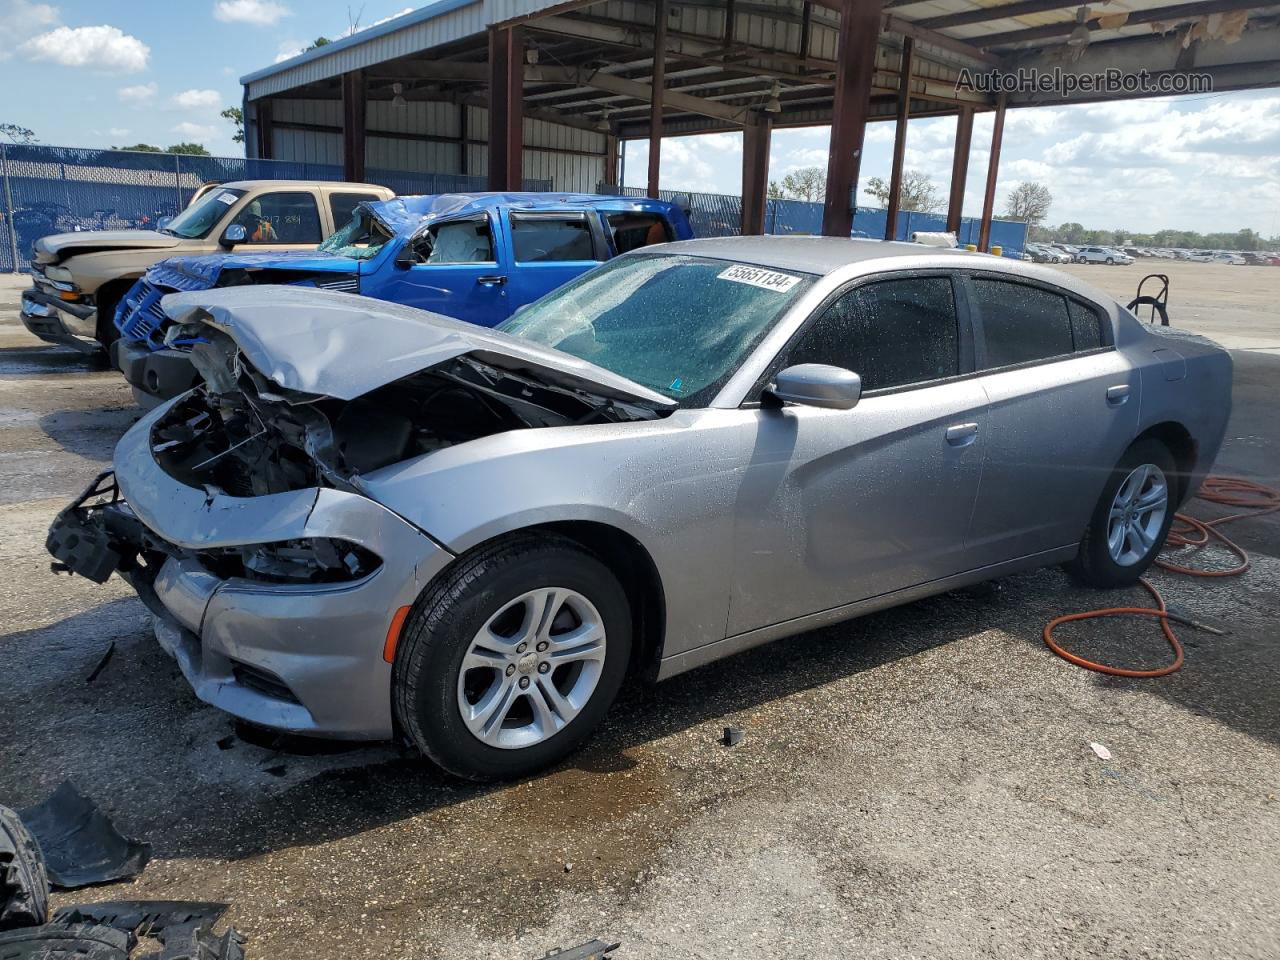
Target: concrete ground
<point>918,783</point>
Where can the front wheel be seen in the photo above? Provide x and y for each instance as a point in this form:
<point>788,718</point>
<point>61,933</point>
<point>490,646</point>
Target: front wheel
<point>1131,519</point>
<point>1111,261</point>
<point>512,660</point>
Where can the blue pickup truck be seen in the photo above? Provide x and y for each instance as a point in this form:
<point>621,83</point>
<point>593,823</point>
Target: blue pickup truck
<point>475,257</point>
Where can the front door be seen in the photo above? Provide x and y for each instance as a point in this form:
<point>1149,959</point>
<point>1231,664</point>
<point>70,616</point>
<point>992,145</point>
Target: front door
<point>456,270</point>
<point>842,505</point>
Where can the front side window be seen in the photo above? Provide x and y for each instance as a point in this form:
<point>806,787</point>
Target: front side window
<point>891,333</point>
<point>679,325</point>
<point>541,239</point>
<point>286,217</point>
<point>458,241</point>
<point>1021,323</point>
<point>361,239</point>
<point>204,214</point>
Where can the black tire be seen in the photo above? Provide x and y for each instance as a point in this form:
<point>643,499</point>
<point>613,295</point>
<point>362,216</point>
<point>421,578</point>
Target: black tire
<point>24,882</point>
<point>66,941</point>
<point>445,619</point>
<point>1111,262</point>
<point>105,328</point>
<point>1093,564</point>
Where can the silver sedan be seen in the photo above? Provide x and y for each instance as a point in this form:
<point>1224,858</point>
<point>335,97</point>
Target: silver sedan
<point>372,521</point>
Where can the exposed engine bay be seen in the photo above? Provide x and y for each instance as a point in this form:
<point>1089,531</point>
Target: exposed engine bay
<point>242,435</point>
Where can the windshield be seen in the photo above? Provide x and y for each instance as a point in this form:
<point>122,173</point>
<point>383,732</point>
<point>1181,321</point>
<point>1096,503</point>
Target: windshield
<point>679,325</point>
<point>360,239</point>
<point>203,215</point>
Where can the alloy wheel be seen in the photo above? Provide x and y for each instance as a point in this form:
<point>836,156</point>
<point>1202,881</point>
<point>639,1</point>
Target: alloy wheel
<point>1137,514</point>
<point>531,668</point>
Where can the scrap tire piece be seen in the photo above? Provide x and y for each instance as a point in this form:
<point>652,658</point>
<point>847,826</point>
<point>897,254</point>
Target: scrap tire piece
<point>66,941</point>
<point>24,882</point>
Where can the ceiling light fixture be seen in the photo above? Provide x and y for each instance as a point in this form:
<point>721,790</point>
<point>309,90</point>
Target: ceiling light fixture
<point>397,99</point>
<point>1080,35</point>
<point>774,105</point>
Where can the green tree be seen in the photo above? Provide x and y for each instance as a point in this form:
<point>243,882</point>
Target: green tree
<point>17,133</point>
<point>1029,202</point>
<point>318,42</point>
<point>140,148</point>
<point>236,116</point>
<point>192,149</point>
<point>918,192</point>
<point>805,183</point>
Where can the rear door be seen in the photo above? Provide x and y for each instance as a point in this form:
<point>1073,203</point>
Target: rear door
<point>454,268</point>
<point>1064,406</point>
<point>550,248</point>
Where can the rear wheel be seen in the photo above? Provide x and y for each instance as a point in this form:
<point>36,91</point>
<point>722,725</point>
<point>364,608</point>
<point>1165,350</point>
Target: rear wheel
<point>512,660</point>
<point>1131,519</point>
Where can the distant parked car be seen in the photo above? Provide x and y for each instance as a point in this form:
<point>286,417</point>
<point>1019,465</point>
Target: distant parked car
<point>1231,259</point>
<point>1202,256</point>
<point>80,277</point>
<point>473,257</point>
<point>1107,255</point>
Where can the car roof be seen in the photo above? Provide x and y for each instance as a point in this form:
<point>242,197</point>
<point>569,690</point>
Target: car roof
<point>414,211</point>
<point>329,184</point>
<point>813,255</point>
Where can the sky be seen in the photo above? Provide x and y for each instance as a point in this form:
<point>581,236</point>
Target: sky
<point>102,73</point>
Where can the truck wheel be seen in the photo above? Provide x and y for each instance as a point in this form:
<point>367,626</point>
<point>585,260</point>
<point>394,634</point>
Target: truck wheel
<point>1131,520</point>
<point>511,661</point>
<point>105,329</point>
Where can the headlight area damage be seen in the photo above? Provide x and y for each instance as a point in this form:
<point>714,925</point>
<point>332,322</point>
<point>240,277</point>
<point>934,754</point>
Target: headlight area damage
<point>240,513</point>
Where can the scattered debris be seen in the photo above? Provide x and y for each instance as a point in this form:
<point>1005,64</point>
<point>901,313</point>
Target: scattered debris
<point>102,662</point>
<point>227,742</point>
<point>56,941</point>
<point>146,918</point>
<point>278,770</point>
<point>592,950</point>
<point>733,736</point>
<point>80,845</point>
<point>1102,752</point>
<point>568,868</point>
<point>24,887</point>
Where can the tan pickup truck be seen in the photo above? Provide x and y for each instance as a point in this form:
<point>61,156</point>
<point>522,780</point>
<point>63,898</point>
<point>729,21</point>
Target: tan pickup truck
<point>80,277</point>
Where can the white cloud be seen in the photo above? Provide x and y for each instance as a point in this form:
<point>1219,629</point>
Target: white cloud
<point>23,19</point>
<point>119,131</point>
<point>377,23</point>
<point>197,99</point>
<point>262,13</point>
<point>194,131</point>
<point>139,93</point>
<point>101,48</point>
<point>289,49</point>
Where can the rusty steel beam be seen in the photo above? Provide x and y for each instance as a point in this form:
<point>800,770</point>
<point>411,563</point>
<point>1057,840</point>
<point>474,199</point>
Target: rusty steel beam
<point>899,140</point>
<point>962,48</point>
<point>264,125</point>
<point>353,126</point>
<point>959,168</point>
<point>658,85</point>
<point>498,90</point>
<point>859,37</point>
<point>513,158</point>
<point>755,175</point>
<point>1001,12</point>
<point>993,171</point>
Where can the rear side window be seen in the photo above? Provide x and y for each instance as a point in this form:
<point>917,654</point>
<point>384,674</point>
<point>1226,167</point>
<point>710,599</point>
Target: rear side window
<point>281,218</point>
<point>343,206</point>
<point>543,239</point>
<point>891,333</point>
<point>1086,326</point>
<point>630,231</point>
<point>1021,323</point>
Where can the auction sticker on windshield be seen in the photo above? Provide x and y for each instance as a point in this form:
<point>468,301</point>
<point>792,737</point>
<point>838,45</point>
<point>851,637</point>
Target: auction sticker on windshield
<point>766,279</point>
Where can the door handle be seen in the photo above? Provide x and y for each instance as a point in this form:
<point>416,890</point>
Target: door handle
<point>494,281</point>
<point>1118,394</point>
<point>962,434</point>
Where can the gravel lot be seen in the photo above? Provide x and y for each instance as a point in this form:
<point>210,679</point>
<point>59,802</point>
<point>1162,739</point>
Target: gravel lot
<point>918,783</point>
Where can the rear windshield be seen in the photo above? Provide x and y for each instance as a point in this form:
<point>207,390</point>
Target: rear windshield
<point>679,325</point>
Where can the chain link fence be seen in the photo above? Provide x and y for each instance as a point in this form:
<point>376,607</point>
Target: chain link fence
<point>66,189</point>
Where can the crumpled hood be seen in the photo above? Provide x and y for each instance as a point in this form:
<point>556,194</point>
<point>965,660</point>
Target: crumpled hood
<point>342,345</point>
<point>205,270</point>
<point>57,245</point>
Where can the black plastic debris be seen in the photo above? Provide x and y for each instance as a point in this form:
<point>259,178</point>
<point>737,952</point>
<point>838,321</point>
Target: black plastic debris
<point>80,845</point>
<point>733,736</point>
<point>202,945</point>
<point>60,941</point>
<point>180,926</point>
<point>102,662</point>
<point>592,950</point>
<point>24,885</point>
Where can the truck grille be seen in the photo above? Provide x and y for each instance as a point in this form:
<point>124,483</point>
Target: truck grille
<point>139,317</point>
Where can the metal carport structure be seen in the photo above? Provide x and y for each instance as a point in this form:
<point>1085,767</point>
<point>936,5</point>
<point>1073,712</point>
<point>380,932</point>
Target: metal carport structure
<point>507,89</point>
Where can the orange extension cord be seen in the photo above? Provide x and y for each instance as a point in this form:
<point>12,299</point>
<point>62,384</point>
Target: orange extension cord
<point>1186,531</point>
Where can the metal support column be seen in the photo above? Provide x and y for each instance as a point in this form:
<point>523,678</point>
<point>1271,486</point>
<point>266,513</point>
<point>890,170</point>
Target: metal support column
<point>959,168</point>
<point>659,81</point>
<point>353,125</point>
<point>610,175</point>
<point>498,91</point>
<point>859,34</point>
<point>900,139</point>
<point>265,129</point>
<point>755,173</point>
<point>993,170</point>
<point>514,161</point>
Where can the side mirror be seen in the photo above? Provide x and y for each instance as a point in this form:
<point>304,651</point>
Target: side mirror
<point>236,233</point>
<point>818,385</point>
<point>163,222</point>
<point>405,258</point>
